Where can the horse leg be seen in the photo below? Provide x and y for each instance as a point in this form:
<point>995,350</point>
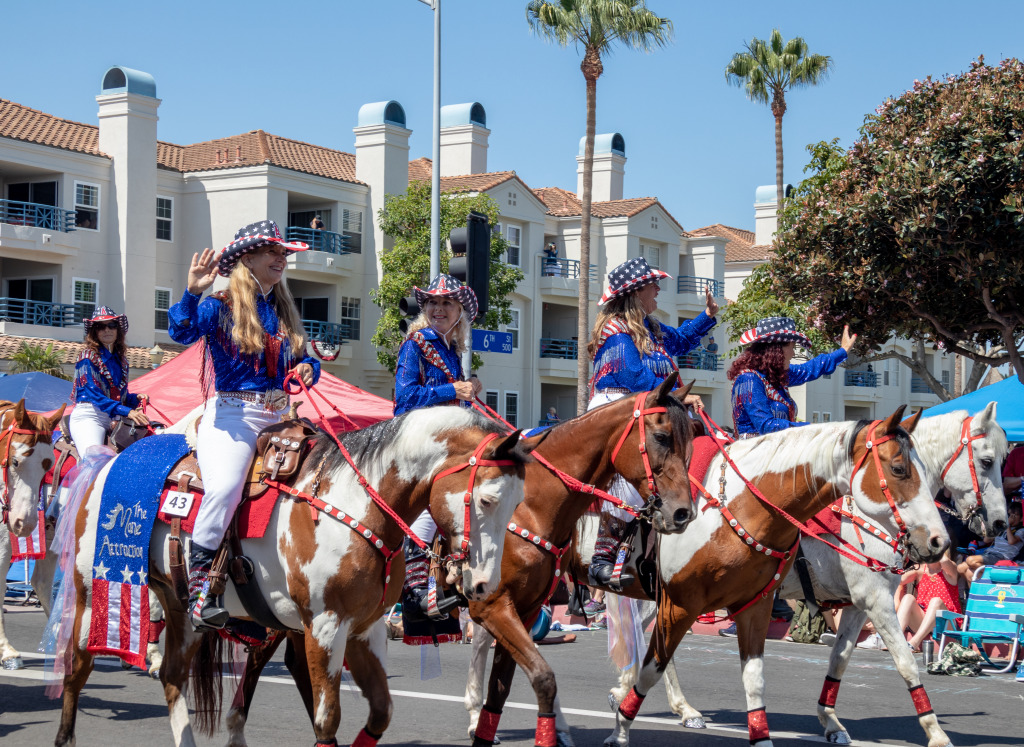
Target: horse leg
<point>156,626</point>
<point>74,681</point>
<point>690,716</point>
<point>10,657</point>
<point>42,576</point>
<point>365,655</point>
<point>180,646</point>
<point>846,641</point>
<point>256,660</point>
<point>752,629</point>
<point>295,660</point>
<point>474,697</point>
<point>325,645</point>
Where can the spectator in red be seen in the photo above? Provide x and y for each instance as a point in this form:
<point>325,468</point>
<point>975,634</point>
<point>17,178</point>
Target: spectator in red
<point>1013,471</point>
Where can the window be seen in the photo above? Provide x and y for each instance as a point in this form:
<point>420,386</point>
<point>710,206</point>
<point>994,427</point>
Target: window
<point>513,327</point>
<point>512,408</point>
<point>491,399</point>
<point>161,303</point>
<point>512,196</point>
<point>815,417</point>
<point>21,293</point>
<point>85,292</point>
<point>652,254</point>
<point>945,379</point>
<point>164,218</point>
<point>514,234</point>
<point>350,318</point>
<point>826,417</point>
<point>87,207</point>
<point>352,228</point>
<point>654,222</point>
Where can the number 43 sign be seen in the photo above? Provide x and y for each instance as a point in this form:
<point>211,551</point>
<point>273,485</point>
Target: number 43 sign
<point>177,504</point>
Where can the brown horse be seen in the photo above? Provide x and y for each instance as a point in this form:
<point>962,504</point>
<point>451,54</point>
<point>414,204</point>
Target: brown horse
<point>324,572</point>
<point>531,563</point>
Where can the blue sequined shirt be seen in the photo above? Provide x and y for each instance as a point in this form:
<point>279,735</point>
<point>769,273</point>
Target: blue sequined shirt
<point>619,365</point>
<point>755,413</point>
<point>234,372</point>
<point>90,387</point>
<point>418,383</point>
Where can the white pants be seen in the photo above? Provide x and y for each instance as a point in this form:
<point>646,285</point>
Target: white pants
<point>424,527</point>
<point>225,444</point>
<point>88,425</point>
<point>619,487</point>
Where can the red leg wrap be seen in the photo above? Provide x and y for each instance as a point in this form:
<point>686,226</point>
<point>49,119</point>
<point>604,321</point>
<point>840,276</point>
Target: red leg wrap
<point>365,739</point>
<point>546,736</point>
<point>487,726</point>
<point>326,743</point>
<point>757,725</point>
<point>921,702</point>
<point>630,705</point>
<point>155,629</point>
<point>829,692</point>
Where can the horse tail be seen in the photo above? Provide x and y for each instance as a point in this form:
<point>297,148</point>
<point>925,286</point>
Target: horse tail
<point>208,690</point>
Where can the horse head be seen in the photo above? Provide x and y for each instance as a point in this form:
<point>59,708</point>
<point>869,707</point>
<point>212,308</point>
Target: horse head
<point>472,500</point>
<point>25,457</point>
<point>966,454</point>
<point>892,486</point>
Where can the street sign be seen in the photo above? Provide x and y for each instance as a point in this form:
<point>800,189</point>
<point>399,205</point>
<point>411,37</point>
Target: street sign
<point>486,341</point>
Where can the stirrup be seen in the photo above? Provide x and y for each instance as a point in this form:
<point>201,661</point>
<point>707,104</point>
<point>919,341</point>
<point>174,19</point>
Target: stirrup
<point>601,572</point>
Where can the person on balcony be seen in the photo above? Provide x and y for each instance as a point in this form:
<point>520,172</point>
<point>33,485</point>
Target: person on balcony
<point>253,339</point>
<point>633,352</point>
<point>429,374</point>
<point>100,391</point>
<point>551,266</point>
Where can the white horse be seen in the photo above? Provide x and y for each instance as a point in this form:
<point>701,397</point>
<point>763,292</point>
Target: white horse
<point>939,441</point>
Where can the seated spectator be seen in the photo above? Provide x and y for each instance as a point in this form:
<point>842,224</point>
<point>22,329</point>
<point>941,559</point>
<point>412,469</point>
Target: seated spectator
<point>1006,546</point>
<point>552,416</point>
<point>936,589</point>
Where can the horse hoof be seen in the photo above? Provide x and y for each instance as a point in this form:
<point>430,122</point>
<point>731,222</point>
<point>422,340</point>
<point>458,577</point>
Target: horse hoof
<point>13,663</point>
<point>695,723</point>
<point>472,736</point>
<point>613,742</point>
<point>613,702</point>
<point>838,737</point>
<point>125,665</point>
<point>564,739</point>
<point>154,673</point>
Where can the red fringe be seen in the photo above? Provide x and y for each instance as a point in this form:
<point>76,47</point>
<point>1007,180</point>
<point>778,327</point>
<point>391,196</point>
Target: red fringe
<point>546,736</point>
<point>757,725</point>
<point>630,705</point>
<point>921,702</point>
<point>487,726</point>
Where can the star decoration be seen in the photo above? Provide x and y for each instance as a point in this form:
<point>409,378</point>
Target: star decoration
<point>100,571</point>
<point>142,577</point>
<point>126,575</point>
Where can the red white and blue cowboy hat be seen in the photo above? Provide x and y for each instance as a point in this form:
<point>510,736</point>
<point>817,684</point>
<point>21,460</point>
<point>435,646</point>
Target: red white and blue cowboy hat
<point>449,286</point>
<point>107,314</point>
<point>775,329</point>
<point>630,275</point>
<point>249,239</point>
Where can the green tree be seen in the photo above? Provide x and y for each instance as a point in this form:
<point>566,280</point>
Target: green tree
<point>406,219</point>
<point>37,358</point>
<point>767,69</point>
<point>596,26</point>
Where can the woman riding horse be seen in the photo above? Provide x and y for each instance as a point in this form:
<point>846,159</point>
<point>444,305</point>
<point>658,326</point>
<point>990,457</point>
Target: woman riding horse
<point>632,352</point>
<point>254,337</point>
<point>429,373</point>
<point>100,390</point>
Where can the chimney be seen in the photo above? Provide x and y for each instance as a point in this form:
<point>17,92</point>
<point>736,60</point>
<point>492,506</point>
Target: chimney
<point>127,133</point>
<point>766,210</point>
<point>464,136</point>
<point>609,167</point>
<point>382,161</point>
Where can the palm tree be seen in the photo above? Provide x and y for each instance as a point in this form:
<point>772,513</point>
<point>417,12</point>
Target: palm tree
<point>770,68</point>
<point>37,358</point>
<point>594,25</point>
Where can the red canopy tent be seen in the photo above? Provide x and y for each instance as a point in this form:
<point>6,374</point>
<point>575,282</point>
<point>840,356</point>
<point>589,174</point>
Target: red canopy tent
<point>175,390</point>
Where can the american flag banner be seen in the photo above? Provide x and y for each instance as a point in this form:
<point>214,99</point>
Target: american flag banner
<point>32,547</point>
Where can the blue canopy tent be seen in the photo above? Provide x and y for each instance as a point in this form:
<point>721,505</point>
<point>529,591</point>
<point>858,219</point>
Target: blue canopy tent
<point>40,391</point>
<point>1008,395</point>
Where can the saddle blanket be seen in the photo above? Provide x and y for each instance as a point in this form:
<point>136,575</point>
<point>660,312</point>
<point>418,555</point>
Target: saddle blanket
<point>128,508</point>
<point>69,464</point>
<point>825,522</point>
<point>704,452</point>
<point>253,513</point>
<point>32,547</point>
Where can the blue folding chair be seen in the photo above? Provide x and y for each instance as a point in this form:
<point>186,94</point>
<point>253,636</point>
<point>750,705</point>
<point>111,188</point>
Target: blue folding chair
<point>19,582</point>
<point>994,614</point>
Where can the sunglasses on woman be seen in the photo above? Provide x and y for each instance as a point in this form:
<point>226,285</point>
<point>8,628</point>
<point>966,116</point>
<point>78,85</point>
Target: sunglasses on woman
<point>107,325</point>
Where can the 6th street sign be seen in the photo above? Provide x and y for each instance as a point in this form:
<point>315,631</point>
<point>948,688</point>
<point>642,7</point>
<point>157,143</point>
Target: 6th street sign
<point>486,341</point>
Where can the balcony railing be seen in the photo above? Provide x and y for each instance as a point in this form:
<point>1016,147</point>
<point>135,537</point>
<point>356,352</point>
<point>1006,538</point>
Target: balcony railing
<point>319,240</point>
<point>563,268</point>
<point>545,422</point>
<point>694,284</point>
<point>861,378</point>
<point>700,360</point>
<point>328,333</point>
<point>552,348</point>
<point>37,215</point>
<point>918,386</point>
<point>21,311</point>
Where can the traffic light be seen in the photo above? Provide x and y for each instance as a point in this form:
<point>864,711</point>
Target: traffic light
<point>471,260</point>
<point>410,310</point>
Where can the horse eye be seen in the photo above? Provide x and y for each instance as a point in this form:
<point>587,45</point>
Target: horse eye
<point>663,439</point>
<point>987,464</point>
<point>899,470</point>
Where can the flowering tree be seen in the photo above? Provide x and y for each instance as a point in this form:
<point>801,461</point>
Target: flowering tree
<point>918,229</point>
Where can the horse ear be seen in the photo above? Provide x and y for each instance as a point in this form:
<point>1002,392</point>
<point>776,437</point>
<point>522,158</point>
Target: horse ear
<point>891,423</point>
<point>54,419</point>
<point>514,448</point>
<point>909,424</point>
<point>980,422</point>
<point>19,411</point>
<point>665,387</point>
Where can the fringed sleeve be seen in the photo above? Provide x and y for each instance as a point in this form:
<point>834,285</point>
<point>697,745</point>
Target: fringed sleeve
<point>91,388</point>
<point>753,411</point>
<point>684,338</point>
<point>189,320</point>
<point>618,365</point>
<point>412,391</point>
<point>816,367</point>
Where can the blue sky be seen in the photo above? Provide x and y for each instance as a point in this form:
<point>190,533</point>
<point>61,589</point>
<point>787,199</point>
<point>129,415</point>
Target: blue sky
<point>301,70</point>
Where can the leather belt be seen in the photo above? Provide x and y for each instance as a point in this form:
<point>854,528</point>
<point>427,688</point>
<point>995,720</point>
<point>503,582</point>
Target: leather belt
<point>272,399</point>
<point>615,390</point>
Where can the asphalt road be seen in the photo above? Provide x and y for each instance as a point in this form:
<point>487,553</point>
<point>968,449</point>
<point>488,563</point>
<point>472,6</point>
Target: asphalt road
<point>121,708</point>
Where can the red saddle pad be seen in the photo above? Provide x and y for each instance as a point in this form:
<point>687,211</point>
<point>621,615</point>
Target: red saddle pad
<point>253,515</point>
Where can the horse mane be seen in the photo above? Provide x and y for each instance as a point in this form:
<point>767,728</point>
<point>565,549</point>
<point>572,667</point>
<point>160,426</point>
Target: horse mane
<point>680,421</point>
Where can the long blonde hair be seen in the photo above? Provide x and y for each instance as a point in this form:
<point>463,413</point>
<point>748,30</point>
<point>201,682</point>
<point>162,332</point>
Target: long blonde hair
<point>247,331</point>
<point>629,309</point>
<point>458,338</point>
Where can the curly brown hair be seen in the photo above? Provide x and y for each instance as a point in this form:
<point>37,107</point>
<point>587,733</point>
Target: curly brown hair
<point>766,358</point>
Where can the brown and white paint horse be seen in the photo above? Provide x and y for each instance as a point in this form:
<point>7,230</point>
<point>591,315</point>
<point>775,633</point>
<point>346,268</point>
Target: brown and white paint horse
<point>583,446</point>
<point>320,577</point>
<point>716,563</point>
<point>25,458</point>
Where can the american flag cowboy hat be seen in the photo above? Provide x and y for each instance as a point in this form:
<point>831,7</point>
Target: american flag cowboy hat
<point>775,329</point>
<point>449,286</point>
<point>107,314</point>
<point>630,275</point>
<point>251,238</point>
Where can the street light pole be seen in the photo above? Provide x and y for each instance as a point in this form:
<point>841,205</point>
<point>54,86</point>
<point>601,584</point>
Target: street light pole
<point>435,175</point>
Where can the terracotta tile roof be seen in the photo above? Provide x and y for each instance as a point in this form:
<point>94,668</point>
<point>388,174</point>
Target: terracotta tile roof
<point>21,123</point>
<point>138,357</point>
<point>420,170</point>
<point>560,202</point>
<point>740,246</point>
<point>563,203</point>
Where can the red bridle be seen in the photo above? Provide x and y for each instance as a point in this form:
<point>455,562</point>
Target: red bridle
<point>638,418</point>
<point>965,444</point>
<point>8,433</point>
